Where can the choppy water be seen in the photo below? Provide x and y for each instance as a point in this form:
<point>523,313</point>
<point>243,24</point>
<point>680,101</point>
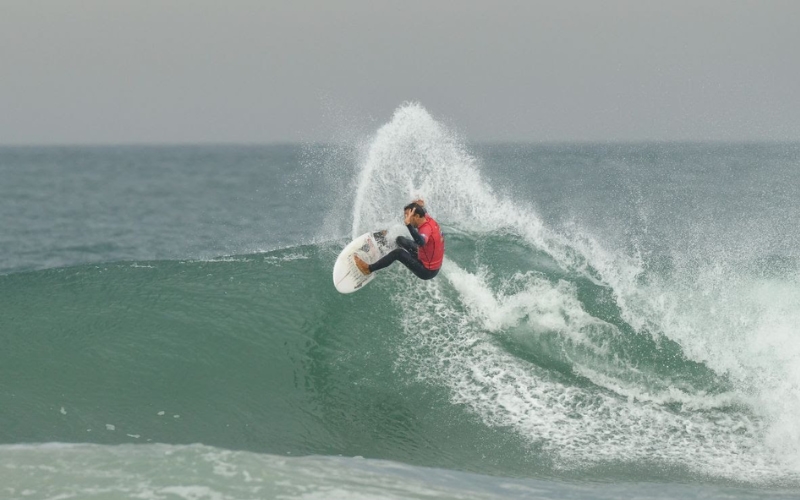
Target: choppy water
<point>612,321</point>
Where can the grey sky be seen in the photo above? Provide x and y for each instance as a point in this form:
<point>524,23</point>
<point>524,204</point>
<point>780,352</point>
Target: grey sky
<point>105,71</point>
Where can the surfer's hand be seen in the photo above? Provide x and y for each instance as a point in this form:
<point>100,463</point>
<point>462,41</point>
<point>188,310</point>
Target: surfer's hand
<point>419,201</point>
<point>408,215</point>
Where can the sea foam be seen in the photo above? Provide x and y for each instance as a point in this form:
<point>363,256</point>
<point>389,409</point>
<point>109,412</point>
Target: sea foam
<point>457,336</point>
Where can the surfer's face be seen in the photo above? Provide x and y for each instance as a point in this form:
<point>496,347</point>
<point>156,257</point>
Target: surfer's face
<point>413,218</point>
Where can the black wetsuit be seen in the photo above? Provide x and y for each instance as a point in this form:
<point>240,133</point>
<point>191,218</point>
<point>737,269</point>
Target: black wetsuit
<point>407,254</point>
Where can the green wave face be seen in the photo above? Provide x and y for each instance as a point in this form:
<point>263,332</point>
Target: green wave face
<point>255,352</point>
<point>530,373</point>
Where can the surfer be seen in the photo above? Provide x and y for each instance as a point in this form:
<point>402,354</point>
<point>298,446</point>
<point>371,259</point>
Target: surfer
<point>423,254</point>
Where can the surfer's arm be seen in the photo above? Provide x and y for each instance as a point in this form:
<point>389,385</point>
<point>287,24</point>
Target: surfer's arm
<point>418,238</point>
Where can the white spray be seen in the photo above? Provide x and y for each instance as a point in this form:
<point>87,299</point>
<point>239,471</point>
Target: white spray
<point>452,342</point>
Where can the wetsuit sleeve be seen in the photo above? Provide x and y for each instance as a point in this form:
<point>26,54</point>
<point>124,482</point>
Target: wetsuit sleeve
<point>418,238</point>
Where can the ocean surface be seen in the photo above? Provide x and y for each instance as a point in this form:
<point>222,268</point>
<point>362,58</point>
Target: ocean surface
<point>612,321</point>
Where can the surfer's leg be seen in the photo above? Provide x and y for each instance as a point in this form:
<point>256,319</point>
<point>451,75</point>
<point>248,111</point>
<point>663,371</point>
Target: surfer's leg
<point>408,260</point>
<point>412,262</point>
<point>408,244</point>
<point>407,250</point>
<point>387,260</point>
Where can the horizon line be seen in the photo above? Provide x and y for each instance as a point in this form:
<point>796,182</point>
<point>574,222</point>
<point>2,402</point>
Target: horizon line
<point>510,142</point>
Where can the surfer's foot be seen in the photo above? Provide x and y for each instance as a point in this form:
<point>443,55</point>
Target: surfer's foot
<point>361,265</point>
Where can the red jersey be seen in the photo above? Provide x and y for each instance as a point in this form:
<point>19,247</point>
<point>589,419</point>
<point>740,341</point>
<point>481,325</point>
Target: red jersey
<point>431,253</point>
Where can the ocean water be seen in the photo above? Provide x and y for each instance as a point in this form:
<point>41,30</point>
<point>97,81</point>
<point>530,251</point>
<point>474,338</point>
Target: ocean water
<point>611,321</point>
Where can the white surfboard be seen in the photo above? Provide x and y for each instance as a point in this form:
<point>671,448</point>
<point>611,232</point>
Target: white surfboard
<point>346,276</point>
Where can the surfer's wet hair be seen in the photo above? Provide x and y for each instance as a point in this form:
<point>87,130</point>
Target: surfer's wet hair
<point>416,208</point>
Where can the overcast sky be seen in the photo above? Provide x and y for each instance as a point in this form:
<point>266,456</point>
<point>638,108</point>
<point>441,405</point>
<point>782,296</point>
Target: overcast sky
<point>161,71</point>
